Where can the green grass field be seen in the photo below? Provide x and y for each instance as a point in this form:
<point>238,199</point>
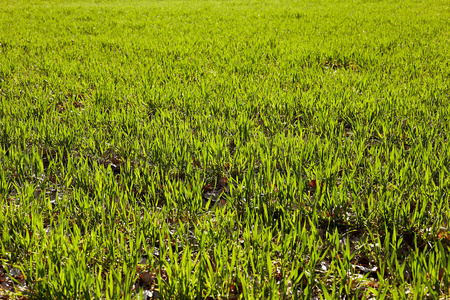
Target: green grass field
<point>224,149</point>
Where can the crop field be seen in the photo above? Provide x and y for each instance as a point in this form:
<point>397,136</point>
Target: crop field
<point>214,149</point>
